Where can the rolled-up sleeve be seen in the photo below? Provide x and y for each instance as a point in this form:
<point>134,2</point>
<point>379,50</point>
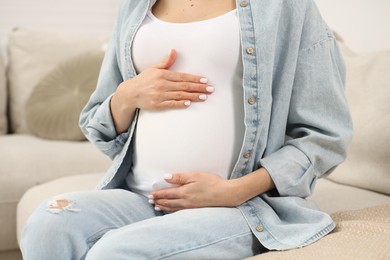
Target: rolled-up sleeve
<point>96,120</point>
<point>319,127</point>
<point>100,130</point>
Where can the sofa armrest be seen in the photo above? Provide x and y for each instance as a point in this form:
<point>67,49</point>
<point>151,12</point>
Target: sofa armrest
<point>27,161</point>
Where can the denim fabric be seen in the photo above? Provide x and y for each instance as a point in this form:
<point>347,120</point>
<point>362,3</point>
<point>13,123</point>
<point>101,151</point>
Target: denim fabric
<point>118,224</point>
<point>299,128</point>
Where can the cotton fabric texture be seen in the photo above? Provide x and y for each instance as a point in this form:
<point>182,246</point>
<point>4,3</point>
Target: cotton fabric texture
<point>217,123</point>
<point>298,128</point>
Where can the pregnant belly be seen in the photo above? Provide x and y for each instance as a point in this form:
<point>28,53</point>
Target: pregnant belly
<point>205,137</point>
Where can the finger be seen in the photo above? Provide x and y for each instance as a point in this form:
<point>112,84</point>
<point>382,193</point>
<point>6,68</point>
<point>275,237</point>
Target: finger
<point>173,104</point>
<point>195,97</point>
<point>166,209</point>
<point>172,205</point>
<point>190,87</point>
<point>169,193</point>
<point>168,61</point>
<point>178,178</point>
<point>184,77</point>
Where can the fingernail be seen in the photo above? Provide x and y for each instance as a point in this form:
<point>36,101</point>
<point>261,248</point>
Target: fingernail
<point>151,201</point>
<point>203,97</point>
<point>210,89</point>
<point>150,196</point>
<point>168,176</point>
<point>187,103</point>
<point>204,80</point>
<point>157,209</point>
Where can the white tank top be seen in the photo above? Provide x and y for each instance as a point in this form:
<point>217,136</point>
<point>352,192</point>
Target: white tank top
<point>207,136</point>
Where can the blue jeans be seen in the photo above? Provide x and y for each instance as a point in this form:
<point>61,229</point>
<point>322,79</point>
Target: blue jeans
<point>118,224</point>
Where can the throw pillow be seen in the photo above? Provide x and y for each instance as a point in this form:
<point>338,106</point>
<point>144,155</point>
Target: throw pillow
<point>368,92</point>
<point>3,99</point>
<point>32,55</point>
<point>54,107</point>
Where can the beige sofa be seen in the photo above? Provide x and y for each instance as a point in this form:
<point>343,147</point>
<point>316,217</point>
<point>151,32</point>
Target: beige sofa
<point>357,193</point>
<point>25,159</point>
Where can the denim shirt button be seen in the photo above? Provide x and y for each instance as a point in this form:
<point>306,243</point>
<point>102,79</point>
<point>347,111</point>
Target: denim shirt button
<point>260,228</point>
<point>250,50</point>
<point>244,4</point>
<point>247,154</point>
<point>252,100</point>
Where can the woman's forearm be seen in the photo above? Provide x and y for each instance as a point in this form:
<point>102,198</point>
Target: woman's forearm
<point>122,114</point>
<point>250,185</point>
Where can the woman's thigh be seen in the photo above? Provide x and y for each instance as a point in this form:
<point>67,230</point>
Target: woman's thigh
<point>73,222</point>
<point>208,233</point>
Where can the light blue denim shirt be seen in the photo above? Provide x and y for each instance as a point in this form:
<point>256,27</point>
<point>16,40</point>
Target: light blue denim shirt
<point>297,121</point>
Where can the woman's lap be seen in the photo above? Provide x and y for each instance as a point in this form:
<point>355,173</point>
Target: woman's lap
<point>77,220</point>
<point>120,225</point>
<point>207,233</point>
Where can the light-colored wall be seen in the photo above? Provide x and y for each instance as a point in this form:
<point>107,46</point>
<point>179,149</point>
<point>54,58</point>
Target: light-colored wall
<point>90,17</point>
<point>364,24</point>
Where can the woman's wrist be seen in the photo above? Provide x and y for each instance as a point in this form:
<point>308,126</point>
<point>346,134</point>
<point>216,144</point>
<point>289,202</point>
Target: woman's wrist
<point>124,102</point>
<point>249,186</point>
<point>122,110</point>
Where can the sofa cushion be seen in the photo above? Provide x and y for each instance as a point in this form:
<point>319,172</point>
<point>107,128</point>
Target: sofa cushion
<point>24,155</point>
<point>368,164</point>
<point>333,197</point>
<point>361,234</point>
<point>32,55</point>
<point>3,99</point>
<point>53,108</point>
<point>27,161</point>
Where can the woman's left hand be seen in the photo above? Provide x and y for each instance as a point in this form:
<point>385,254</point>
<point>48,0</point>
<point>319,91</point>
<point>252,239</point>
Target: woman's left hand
<point>195,190</point>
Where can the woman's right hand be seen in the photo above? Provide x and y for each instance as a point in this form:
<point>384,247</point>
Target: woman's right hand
<point>157,88</point>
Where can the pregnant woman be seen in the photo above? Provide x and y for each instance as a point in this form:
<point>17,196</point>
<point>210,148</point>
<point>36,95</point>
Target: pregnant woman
<point>219,117</point>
